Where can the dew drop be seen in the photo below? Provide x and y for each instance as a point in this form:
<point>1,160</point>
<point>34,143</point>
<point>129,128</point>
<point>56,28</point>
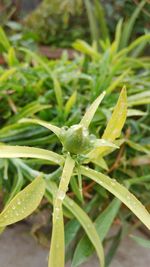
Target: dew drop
<point>71,203</point>
<point>128,197</point>
<point>57,246</point>
<point>88,226</point>
<point>13,207</point>
<point>61,195</point>
<point>19,202</point>
<point>113,182</point>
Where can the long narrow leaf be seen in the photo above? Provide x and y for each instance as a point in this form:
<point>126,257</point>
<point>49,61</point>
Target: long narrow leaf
<point>57,249</point>
<point>115,124</point>
<point>87,118</point>
<point>103,222</point>
<point>49,126</point>
<point>29,152</point>
<point>120,192</point>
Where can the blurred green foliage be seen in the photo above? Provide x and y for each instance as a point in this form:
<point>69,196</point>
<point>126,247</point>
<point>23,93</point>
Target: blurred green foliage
<point>61,22</point>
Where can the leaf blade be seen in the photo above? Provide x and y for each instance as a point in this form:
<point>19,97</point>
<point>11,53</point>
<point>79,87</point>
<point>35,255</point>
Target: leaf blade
<point>23,204</point>
<point>88,116</point>
<point>7,151</point>
<point>57,248</point>
<point>120,192</point>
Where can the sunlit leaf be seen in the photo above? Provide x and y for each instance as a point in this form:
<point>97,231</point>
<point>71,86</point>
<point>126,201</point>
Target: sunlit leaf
<point>120,192</point>
<point>115,124</point>
<point>88,116</point>
<point>84,220</point>
<point>57,249</point>
<point>29,152</point>
<point>24,203</point>
<point>70,103</point>
<point>7,74</point>
<point>49,126</point>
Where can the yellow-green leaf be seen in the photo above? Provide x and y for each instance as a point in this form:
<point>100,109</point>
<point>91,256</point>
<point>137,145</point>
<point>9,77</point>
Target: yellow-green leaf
<point>7,151</point>
<point>24,203</point>
<point>87,118</point>
<point>47,125</point>
<point>120,192</point>
<point>115,124</point>
<point>7,74</point>
<point>57,249</point>
<point>71,101</point>
<point>117,120</point>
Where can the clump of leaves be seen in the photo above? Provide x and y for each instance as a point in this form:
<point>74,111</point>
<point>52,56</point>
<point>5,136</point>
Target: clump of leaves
<point>79,149</point>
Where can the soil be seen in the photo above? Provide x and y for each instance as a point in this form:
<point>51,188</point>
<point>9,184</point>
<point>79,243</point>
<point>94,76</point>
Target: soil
<point>19,249</point>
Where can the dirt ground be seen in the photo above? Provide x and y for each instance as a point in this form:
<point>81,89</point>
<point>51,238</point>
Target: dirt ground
<point>19,249</point>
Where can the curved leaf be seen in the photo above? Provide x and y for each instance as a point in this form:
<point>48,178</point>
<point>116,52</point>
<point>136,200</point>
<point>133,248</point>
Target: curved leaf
<point>49,126</point>
<point>120,192</point>
<point>103,222</point>
<point>24,203</point>
<point>29,152</point>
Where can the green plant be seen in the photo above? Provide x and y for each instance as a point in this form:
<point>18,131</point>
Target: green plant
<point>79,149</point>
<point>58,91</point>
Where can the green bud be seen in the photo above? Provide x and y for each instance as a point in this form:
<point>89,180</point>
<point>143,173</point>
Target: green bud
<point>76,139</point>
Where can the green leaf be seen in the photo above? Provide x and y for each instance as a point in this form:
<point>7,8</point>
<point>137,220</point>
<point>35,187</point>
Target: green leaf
<point>120,192</point>
<point>117,120</point>
<point>70,103</point>
<point>103,222</point>
<point>99,14</point>
<point>58,91</point>
<point>103,142</point>
<point>115,124</point>
<point>84,220</point>
<point>141,241</point>
<point>74,209</point>
<point>29,152</point>
<point>87,225</point>
<point>28,110</point>
<point>49,126</point>
<point>4,40</point>
<point>94,29</point>
<point>24,203</point>
<point>117,81</point>
<point>138,147</point>
<point>57,249</point>
<point>88,116</point>
<point>7,74</point>
<point>126,34</point>
<point>85,48</point>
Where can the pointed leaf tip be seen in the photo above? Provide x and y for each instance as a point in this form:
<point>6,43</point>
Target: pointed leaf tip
<point>89,114</point>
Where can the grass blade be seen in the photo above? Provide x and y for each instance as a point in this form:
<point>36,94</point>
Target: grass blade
<point>130,24</point>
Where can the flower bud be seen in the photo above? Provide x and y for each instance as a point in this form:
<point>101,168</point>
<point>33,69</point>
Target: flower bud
<point>76,139</point>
